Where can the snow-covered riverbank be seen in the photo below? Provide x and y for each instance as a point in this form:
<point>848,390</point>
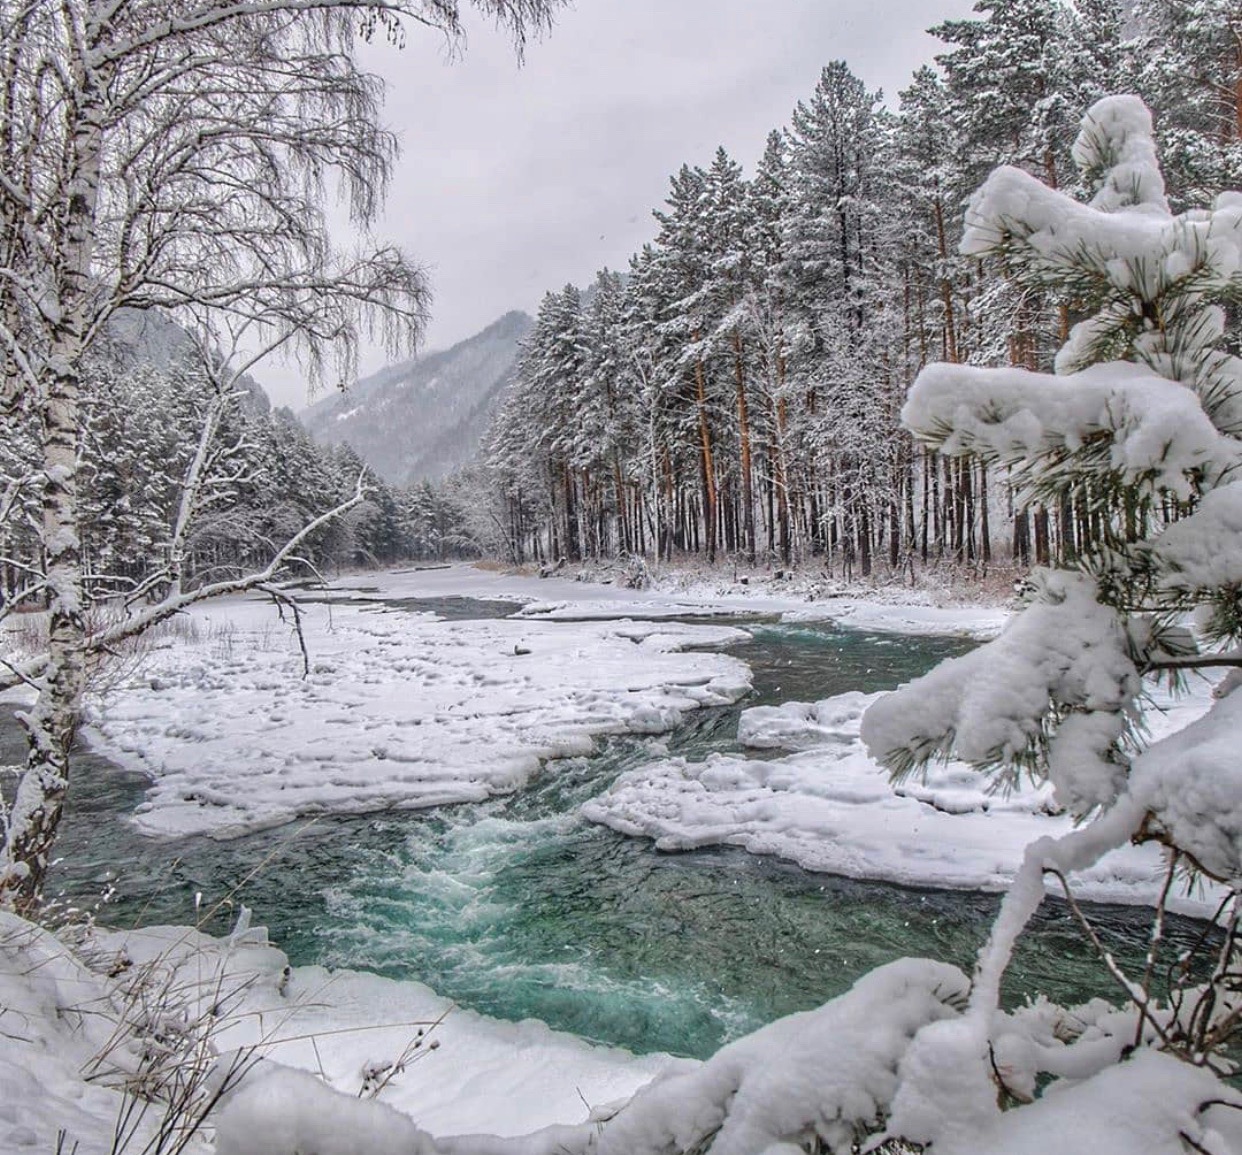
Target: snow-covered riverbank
<point>685,595</point>
<point>79,1026</point>
<point>404,710</point>
<point>400,709</point>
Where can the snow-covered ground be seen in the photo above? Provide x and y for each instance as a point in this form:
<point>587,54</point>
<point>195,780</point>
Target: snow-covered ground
<point>687,595</point>
<point>65,1058</point>
<point>398,709</point>
<point>401,709</point>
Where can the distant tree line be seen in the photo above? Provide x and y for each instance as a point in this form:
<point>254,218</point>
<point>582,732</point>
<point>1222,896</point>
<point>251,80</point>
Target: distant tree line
<point>265,479</point>
<point>141,430</point>
<point>737,391</point>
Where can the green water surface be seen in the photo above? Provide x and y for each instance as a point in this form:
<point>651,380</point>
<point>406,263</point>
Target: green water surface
<point>519,908</point>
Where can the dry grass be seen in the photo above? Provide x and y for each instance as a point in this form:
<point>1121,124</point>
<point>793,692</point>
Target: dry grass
<point>25,635</point>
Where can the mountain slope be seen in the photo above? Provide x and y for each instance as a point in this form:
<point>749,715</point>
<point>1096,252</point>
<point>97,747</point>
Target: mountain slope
<point>151,337</point>
<point>423,418</point>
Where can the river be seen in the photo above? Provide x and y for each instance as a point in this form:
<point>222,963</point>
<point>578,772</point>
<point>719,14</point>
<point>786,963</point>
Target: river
<point>519,908</point>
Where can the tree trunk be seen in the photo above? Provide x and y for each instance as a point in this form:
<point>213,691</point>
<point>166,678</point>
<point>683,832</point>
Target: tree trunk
<point>708,466</point>
<point>743,425</point>
<point>35,815</point>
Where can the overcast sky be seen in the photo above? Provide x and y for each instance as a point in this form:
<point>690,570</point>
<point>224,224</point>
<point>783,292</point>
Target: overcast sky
<point>515,180</point>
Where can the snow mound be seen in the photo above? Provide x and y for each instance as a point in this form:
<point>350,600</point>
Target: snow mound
<point>804,725</point>
<point>397,710</point>
<point>820,1073</point>
<point>1145,1106</point>
<point>280,1111</point>
<point>830,807</point>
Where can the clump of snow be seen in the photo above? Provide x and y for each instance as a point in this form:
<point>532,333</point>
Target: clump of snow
<point>1192,783</point>
<point>1116,150</point>
<point>1203,551</point>
<point>1159,436</point>
<point>1064,653</point>
<point>804,725</point>
<point>1144,1106</point>
<point>279,1111</point>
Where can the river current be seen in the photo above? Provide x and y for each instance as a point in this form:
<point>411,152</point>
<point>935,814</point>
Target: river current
<point>519,908</point>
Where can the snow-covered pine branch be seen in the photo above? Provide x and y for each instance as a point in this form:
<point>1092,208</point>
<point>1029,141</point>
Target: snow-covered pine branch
<point>1148,442</point>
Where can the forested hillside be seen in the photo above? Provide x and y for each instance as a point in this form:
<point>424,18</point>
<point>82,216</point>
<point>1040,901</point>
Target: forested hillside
<point>151,413</point>
<point>738,391</point>
<point>422,419</point>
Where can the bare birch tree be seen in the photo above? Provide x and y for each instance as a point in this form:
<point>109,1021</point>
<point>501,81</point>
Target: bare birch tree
<point>176,154</point>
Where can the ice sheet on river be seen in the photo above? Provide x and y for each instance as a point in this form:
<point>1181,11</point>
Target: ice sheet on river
<point>398,709</point>
<point>676,595</point>
<point>829,807</point>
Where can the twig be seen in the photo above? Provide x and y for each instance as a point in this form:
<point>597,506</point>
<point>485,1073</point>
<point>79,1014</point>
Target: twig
<point>1136,994</point>
<point>1157,934</point>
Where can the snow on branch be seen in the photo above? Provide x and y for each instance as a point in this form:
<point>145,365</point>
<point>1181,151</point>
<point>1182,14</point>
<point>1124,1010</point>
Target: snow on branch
<point>1203,552</point>
<point>1191,783</point>
<point>1116,151</point>
<point>1052,695</point>
<point>1156,432</point>
<point>1146,273</point>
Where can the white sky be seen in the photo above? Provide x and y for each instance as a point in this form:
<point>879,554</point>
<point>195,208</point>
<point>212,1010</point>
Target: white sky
<point>514,181</point>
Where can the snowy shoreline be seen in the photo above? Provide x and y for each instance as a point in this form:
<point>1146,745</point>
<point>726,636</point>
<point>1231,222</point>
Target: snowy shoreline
<point>403,710</point>
<point>63,1008</point>
<point>202,712</point>
<point>691,594</point>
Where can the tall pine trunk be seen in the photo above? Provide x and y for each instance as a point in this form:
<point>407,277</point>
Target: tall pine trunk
<point>743,425</point>
<point>705,450</point>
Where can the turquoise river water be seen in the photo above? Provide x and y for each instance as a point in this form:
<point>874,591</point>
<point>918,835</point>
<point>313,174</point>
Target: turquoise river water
<point>519,908</point>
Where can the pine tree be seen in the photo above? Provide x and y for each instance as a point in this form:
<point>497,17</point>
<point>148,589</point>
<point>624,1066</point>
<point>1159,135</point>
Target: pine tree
<point>1189,61</point>
<point>1140,429</point>
<point>768,204</point>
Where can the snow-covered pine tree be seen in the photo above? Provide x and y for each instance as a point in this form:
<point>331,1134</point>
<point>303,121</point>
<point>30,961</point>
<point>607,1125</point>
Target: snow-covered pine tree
<point>723,293</point>
<point>833,236</point>
<point>1188,60</point>
<point>672,445</point>
<point>1139,428</point>
<point>682,266</point>
<point>611,420</point>
<point>1004,70</point>
<point>768,205</point>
